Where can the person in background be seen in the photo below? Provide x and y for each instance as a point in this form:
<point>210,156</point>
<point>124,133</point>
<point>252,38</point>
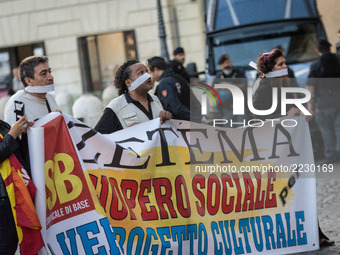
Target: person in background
<point>134,104</point>
<point>177,64</point>
<point>291,75</point>
<point>236,76</point>
<point>227,70</point>
<point>173,91</point>
<point>272,67</point>
<point>338,44</point>
<point>16,84</point>
<point>274,74</point>
<point>323,83</point>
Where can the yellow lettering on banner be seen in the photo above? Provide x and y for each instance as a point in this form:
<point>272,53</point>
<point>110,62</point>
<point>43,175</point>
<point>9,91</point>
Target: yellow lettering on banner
<point>62,177</point>
<point>56,181</point>
<point>49,165</point>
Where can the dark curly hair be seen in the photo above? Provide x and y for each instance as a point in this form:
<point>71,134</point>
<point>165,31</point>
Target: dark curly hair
<point>266,62</point>
<point>122,74</point>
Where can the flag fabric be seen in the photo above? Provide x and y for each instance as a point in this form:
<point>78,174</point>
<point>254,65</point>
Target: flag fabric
<point>21,191</point>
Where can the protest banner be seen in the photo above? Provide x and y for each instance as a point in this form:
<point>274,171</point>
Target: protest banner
<point>71,216</point>
<point>178,188</point>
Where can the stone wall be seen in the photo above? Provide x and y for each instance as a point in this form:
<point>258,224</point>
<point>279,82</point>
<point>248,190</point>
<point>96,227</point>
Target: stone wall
<point>58,23</point>
<point>330,15</point>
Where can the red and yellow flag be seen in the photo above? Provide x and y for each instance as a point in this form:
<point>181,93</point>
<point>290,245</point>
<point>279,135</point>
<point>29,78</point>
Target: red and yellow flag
<point>21,191</point>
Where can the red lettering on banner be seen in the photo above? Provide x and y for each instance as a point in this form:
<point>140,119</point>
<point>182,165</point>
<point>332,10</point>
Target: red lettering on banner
<point>180,182</point>
<point>199,179</point>
<point>104,191</point>
<point>164,197</point>
<point>259,202</point>
<point>131,202</point>
<point>146,215</point>
<point>249,193</point>
<point>246,203</point>
<point>239,192</point>
<point>93,179</point>
<point>226,208</point>
<point>270,202</point>
<point>212,194</point>
<point>117,201</point>
<point>213,209</point>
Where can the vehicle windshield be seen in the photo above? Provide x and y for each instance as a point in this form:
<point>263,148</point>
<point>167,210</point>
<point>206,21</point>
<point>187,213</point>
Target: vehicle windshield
<point>230,13</point>
<point>243,45</point>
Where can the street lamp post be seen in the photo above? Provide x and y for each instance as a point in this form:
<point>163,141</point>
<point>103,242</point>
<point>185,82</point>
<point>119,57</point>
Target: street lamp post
<point>162,33</point>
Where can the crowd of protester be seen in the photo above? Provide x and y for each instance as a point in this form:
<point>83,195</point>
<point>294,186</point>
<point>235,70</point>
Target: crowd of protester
<point>135,104</point>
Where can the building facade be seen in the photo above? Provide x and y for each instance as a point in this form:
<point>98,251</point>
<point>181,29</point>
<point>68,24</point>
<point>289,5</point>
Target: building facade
<point>86,40</point>
<point>329,11</point>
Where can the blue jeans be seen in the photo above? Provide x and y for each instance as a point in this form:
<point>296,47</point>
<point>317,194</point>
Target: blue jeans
<point>328,120</point>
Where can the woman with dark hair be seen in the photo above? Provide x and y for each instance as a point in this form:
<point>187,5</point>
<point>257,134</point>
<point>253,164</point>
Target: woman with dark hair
<point>8,145</point>
<point>134,104</point>
<point>274,74</point>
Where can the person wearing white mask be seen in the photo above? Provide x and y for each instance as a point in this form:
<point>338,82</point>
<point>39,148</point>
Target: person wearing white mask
<point>274,74</point>
<point>32,101</point>
<point>227,69</point>
<point>134,104</point>
<point>236,76</point>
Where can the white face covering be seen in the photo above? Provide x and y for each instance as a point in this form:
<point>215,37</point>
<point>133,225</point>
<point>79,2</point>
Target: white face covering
<point>40,89</point>
<point>139,81</point>
<point>227,71</point>
<point>277,73</point>
<point>272,74</point>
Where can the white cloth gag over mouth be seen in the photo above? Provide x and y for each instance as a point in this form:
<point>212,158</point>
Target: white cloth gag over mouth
<point>272,74</point>
<point>139,81</point>
<point>40,89</point>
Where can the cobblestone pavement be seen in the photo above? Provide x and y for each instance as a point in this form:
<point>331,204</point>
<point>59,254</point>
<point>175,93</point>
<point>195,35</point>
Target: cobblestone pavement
<point>328,197</point>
